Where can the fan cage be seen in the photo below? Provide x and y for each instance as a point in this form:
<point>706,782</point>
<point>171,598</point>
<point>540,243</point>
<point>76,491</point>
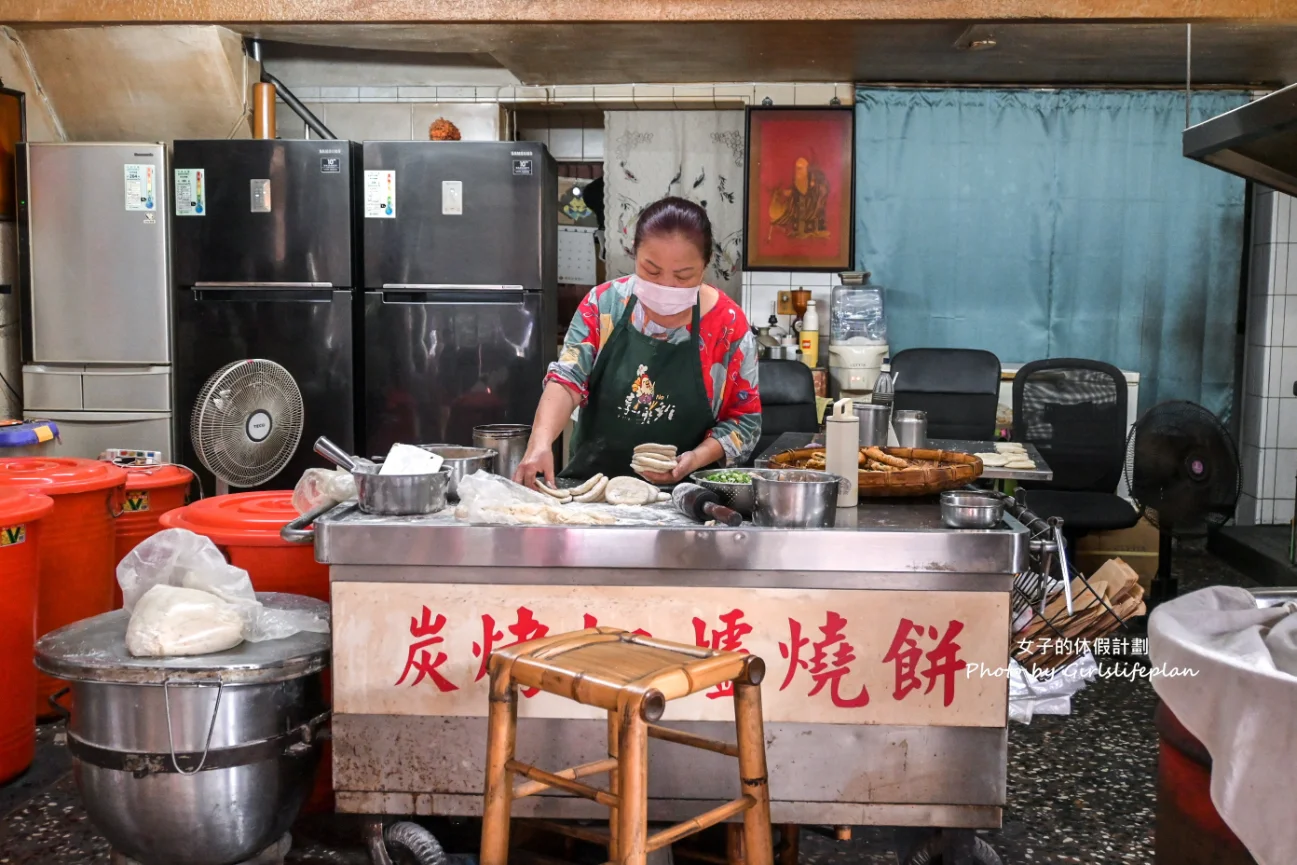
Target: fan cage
<point>219,424</point>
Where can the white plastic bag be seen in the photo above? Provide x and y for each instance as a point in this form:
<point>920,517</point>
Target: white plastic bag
<point>317,486</point>
<point>170,621</point>
<point>183,559</point>
<point>1050,693</point>
<point>488,498</point>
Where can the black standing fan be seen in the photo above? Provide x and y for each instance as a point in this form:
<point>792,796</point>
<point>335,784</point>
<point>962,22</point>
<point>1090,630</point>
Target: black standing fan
<point>1183,472</point>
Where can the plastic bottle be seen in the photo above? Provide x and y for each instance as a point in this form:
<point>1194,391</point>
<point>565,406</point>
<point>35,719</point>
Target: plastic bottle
<point>811,336</point>
<point>842,450</point>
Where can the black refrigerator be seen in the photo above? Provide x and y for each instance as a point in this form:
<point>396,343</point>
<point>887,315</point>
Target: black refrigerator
<point>460,245</point>
<point>263,251</point>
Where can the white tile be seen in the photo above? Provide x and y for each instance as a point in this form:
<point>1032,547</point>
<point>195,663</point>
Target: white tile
<point>781,278</point>
<point>810,279</point>
<point>1267,512</point>
<point>362,121</point>
<point>1290,321</point>
<point>1250,458</point>
<point>778,94</point>
<point>456,94</point>
<point>1259,270</point>
<point>1285,474</point>
<point>654,95</point>
<point>1280,277</point>
<point>761,302</point>
<point>1270,424</point>
<point>540,135</point>
<point>1269,457</point>
<point>305,93</point>
<point>846,94</point>
<point>423,94</point>
<point>592,144</point>
<point>1283,386</point>
<point>1245,513</point>
<point>1277,317</point>
<point>565,143</point>
<point>814,94</point>
<point>1286,432</point>
<point>488,94</point>
<point>693,95</point>
<point>1258,313</point>
<point>1283,223</point>
<point>339,93</point>
<point>1251,427</point>
<point>614,92</point>
<point>531,94</point>
<point>287,123</point>
<point>735,92</point>
<point>1287,253</point>
<point>477,121</point>
<point>1262,219</point>
<point>368,94</point>
<point>574,93</point>
<point>1283,510</point>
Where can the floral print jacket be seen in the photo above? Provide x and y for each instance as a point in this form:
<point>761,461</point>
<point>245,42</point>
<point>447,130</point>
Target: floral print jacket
<point>726,345</point>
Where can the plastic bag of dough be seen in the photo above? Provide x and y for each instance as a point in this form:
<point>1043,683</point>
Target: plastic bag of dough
<point>183,559</point>
<point>169,621</point>
<point>317,486</point>
<point>488,498</point>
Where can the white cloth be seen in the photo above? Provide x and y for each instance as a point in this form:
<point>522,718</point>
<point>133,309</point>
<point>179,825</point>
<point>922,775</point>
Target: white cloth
<point>696,155</point>
<point>1240,705</point>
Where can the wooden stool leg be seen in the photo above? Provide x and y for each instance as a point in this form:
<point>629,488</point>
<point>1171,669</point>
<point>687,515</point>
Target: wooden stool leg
<point>734,844</point>
<point>791,843</point>
<point>614,781</point>
<point>632,815</point>
<point>501,734</point>
<point>752,773</point>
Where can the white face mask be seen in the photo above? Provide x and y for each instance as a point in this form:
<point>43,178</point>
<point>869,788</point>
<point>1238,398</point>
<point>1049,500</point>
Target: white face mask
<point>665,299</point>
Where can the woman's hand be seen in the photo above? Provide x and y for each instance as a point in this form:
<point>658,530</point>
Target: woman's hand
<point>686,463</point>
<point>537,462</point>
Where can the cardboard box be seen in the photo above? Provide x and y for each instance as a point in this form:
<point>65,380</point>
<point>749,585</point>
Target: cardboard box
<point>1140,538</point>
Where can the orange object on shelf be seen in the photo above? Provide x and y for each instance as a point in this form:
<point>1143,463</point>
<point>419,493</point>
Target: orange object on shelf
<point>20,515</point>
<point>151,491</point>
<point>78,543</point>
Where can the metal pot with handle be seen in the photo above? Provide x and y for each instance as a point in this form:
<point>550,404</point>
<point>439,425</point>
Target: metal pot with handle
<point>389,495</point>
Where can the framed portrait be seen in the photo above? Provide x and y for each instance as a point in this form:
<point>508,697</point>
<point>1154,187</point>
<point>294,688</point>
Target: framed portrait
<point>800,188</point>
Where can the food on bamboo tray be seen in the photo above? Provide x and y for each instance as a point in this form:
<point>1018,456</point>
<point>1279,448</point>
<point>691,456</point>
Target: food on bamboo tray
<point>1100,605</point>
<point>895,471</point>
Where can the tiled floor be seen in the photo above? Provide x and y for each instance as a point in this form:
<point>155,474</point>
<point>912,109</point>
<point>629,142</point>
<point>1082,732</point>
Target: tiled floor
<point>1080,789</point>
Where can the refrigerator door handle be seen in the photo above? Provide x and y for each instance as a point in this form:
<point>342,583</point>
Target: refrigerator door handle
<point>448,286</point>
<point>255,285</point>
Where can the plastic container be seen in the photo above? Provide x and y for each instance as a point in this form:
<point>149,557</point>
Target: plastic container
<point>246,528</point>
<point>842,451</point>
<point>27,438</point>
<point>151,491</point>
<point>857,315</point>
<point>810,336</point>
<point>21,516</point>
<point>78,542</point>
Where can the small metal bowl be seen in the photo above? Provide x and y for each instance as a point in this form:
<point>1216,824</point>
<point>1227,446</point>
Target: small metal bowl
<point>966,509</point>
<point>740,497</point>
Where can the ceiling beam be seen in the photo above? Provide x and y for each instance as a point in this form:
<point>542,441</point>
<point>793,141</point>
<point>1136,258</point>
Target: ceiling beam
<point>436,11</point>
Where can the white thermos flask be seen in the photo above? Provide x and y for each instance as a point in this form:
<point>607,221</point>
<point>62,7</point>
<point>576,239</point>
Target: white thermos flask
<point>842,450</point>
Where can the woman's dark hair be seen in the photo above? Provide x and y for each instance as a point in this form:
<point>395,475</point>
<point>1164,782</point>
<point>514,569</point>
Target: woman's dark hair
<point>675,215</point>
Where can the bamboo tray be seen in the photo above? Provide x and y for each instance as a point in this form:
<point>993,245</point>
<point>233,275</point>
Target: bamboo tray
<point>952,470</point>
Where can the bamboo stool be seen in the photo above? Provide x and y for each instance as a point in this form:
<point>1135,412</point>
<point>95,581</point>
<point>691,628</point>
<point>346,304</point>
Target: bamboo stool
<point>632,678</point>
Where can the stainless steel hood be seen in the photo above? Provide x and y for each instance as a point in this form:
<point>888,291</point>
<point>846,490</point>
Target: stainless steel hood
<point>1257,141</point>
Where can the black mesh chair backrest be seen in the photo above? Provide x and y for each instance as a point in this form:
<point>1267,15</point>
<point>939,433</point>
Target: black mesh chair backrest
<point>787,401</point>
<point>959,388</point>
<point>1074,412</point>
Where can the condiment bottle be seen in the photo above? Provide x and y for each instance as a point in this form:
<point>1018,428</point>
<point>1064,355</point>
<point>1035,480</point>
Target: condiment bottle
<point>811,336</point>
<point>842,450</point>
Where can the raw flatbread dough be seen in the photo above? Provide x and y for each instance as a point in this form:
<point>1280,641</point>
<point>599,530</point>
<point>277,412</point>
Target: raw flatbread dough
<point>993,459</point>
<point>1010,448</point>
<point>595,493</point>
<point>668,451</point>
<point>626,490</point>
<point>170,620</point>
<point>561,495</point>
<point>586,486</point>
<point>1020,464</point>
<point>551,515</point>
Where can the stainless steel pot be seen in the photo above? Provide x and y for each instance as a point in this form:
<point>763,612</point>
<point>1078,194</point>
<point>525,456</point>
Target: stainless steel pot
<point>508,440</point>
<point>202,760</point>
<point>911,428</point>
<point>461,461</point>
<point>874,422</point>
<point>795,498</point>
<point>389,495</point>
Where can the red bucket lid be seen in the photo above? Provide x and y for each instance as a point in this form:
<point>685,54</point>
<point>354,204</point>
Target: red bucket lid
<point>22,506</point>
<point>56,476</point>
<point>156,477</point>
<point>238,519</point>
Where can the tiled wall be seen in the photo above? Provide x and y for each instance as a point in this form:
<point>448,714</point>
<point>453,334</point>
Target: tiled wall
<point>571,136</point>
<point>1269,429</point>
<point>761,289</point>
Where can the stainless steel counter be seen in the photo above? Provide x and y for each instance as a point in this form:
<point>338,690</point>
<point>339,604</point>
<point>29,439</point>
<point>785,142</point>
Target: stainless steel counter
<point>1042,471</point>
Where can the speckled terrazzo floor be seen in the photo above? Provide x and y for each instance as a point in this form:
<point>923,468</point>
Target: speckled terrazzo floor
<point>1080,788</point>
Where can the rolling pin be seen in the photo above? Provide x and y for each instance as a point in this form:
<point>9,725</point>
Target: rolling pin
<point>702,505</point>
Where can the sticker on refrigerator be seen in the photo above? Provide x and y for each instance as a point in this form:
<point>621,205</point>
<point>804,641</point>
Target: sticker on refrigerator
<point>191,192</point>
<point>522,167</point>
<point>141,187</point>
<point>380,195</point>
<point>330,165</point>
<point>260,196</point>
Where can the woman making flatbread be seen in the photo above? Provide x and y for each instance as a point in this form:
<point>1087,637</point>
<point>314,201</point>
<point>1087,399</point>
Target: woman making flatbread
<point>658,357</point>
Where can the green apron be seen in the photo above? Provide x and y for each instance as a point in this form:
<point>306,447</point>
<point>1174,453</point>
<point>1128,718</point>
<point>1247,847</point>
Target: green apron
<point>641,390</point>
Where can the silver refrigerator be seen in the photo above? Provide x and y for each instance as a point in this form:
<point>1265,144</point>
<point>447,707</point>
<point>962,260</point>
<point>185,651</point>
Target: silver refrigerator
<point>460,248</point>
<point>92,247</point>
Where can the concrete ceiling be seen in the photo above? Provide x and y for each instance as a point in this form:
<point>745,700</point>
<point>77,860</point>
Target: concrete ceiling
<point>1252,53</point>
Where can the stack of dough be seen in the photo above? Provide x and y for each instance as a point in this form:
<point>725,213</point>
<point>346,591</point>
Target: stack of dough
<point>1014,455</point>
<point>654,458</point>
<point>589,492</point>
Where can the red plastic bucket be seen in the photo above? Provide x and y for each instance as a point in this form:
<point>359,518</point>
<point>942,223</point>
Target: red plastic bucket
<point>151,491</point>
<point>21,513</point>
<point>78,543</point>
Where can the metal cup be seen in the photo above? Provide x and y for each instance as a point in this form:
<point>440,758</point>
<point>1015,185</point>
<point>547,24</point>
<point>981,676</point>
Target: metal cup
<point>873,423</point>
<point>911,428</point>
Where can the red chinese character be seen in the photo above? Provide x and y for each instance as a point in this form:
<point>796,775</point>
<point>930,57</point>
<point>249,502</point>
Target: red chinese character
<point>821,671</point>
<point>427,631</point>
<point>905,653</point>
<point>592,622</point>
<point>728,640</point>
<point>823,674</point>
<point>944,661</point>
<point>526,628</point>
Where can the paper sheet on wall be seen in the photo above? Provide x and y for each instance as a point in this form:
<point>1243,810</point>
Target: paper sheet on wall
<point>380,194</point>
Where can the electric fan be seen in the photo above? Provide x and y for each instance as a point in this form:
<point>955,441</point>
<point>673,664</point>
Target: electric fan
<point>1183,472</point>
<point>247,423</point>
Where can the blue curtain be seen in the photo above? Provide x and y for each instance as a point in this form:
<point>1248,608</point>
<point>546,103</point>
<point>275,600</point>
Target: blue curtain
<point>1060,223</point>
